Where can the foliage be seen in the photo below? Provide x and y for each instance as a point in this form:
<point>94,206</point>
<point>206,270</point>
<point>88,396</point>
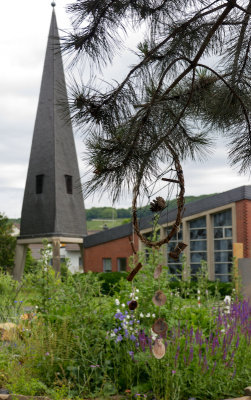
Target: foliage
<point>10,306</point>
<point>172,99</point>
<point>79,343</point>
<point>109,281</point>
<point>7,243</point>
<point>31,265</point>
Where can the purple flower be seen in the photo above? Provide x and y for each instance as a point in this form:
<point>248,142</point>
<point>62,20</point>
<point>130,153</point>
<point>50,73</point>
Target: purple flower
<point>95,366</point>
<point>173,372</point>
<point>115,330</point>
<point>133,338</point>
<point>119,338</point>
<point>47,353</point>
<point>131,354</point>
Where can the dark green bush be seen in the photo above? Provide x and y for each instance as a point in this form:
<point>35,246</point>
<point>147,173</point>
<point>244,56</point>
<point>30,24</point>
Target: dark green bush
<point>223,288</point>
<point>110,280</point>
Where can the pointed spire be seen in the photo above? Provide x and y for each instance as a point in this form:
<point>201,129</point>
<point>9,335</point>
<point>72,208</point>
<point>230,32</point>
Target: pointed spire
<point>53,201</point>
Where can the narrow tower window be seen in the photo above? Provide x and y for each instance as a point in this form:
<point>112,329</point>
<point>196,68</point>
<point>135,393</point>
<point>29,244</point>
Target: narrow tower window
<point>68,182</point>
<point>39,184</point>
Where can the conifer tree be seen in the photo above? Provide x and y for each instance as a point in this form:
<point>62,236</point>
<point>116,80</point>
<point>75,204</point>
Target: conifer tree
<point>172,99</point>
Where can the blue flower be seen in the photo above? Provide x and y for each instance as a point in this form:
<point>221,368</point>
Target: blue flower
<point>133,338</point>
<point>119,338</point>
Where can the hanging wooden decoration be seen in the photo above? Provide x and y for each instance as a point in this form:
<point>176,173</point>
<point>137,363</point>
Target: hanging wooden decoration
<point>159,298</point>
<point>157,271</point>
<point>158,204</point>
<point>132,305</point>
<point>159,327</point>
<point>134,272</point>
<point>158,349</point>
<point>178,249</point>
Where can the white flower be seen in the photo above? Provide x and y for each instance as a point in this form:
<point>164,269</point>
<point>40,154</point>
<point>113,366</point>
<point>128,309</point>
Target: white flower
<point>198,291</point>
<point>131,294</point>
<point>117,302</point>
<point>227,299</point>
<point>118,310</point>
<point>148,315</point>
<point>198,298</point>
<point>113,334</point>
<point>128,316</point>
<point>141,315</point>
<point>153,315</point>
<point>123,305</point>
<point>154,335</point>
<point>137,290</point>
<point>136,298</point>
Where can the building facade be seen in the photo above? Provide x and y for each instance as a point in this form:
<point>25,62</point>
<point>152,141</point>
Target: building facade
<point>210,228</point>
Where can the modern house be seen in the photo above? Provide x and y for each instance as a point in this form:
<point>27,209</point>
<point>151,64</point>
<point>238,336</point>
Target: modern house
<point>210,228</point>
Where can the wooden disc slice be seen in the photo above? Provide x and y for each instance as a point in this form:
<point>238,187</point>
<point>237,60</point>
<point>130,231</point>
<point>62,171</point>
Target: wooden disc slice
<point>159,298</point>
<point>159,349</point>
<point>157,271</point>
<point>133,304</point>
<point>159,327</point>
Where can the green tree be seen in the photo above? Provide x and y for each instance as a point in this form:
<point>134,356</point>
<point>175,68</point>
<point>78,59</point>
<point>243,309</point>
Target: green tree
<point>7,243</point>
<point>172,99</point>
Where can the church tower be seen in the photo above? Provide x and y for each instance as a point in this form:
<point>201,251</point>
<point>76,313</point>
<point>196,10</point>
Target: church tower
<point>53,205</point>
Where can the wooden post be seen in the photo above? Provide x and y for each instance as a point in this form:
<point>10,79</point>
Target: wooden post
<point>20,256</point>
<point>237,253</point>
<point>56,255</point>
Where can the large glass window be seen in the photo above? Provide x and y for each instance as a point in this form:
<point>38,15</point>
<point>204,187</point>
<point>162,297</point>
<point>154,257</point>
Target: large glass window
<point>175,266</point>
<point>198,243</point>
<point>107,264</point>
<point>223,245</point>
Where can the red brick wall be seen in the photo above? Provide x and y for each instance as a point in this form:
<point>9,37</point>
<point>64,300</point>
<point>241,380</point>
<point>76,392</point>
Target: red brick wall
<point>243,225</point>
<point>120,248</point>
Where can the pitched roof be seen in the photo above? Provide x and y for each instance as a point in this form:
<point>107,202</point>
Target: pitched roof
<point>195,207</point>
<point>53,156</point>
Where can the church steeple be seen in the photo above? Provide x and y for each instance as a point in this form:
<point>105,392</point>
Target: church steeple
<point>53,202</point>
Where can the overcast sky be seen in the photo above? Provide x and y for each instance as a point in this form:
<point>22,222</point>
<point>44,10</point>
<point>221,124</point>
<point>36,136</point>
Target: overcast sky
<point>24,27</point>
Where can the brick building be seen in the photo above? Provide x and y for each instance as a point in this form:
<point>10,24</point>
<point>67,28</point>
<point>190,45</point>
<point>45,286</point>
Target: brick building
<point>210,227</point>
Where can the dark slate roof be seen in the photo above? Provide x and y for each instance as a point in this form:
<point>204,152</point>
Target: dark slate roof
<point>53,155</point>
<point>195,207</point>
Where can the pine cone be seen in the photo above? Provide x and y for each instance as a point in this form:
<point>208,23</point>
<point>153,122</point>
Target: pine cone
<point>158,204</point>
